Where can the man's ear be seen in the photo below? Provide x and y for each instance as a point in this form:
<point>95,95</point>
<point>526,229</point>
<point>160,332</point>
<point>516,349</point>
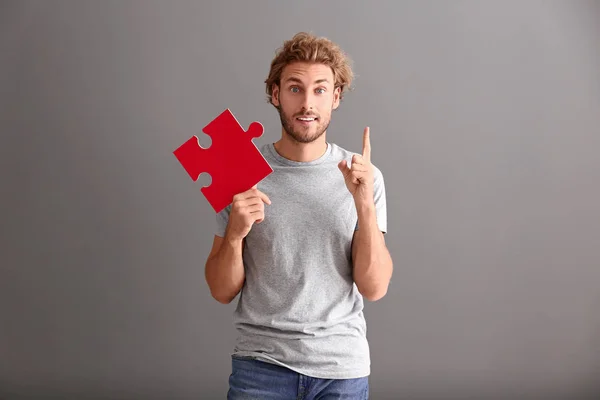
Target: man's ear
<point>275,95</point>
<point>336,97</point>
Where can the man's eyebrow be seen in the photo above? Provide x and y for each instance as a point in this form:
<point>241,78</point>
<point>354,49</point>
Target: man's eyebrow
<point>293,79</point>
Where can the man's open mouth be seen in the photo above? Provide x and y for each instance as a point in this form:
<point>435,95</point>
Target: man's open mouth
<point>307,119</point>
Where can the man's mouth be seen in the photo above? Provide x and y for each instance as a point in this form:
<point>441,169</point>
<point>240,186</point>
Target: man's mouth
<point>306,119</point>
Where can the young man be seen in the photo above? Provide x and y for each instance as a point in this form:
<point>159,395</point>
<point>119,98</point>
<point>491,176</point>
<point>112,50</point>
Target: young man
<point>304,246</point>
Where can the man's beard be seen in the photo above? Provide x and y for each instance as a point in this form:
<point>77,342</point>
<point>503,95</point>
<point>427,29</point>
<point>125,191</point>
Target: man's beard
<point>298,135</point>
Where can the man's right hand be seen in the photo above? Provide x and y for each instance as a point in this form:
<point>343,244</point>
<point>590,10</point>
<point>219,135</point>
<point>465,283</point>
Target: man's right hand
<point>247,208</point>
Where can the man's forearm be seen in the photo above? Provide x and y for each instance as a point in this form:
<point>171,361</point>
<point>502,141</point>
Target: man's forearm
<point>225,271</point>
<point>372,261</point>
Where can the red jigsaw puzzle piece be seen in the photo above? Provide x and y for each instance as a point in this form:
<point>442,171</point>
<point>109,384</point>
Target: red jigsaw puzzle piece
<point>233,161</point>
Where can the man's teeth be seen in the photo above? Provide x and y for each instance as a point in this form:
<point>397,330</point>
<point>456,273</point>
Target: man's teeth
<point>306,119</point>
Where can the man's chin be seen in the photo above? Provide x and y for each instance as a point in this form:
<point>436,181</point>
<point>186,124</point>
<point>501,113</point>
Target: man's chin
<point>304,137</point>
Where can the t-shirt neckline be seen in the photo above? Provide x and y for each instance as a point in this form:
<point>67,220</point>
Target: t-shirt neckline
<point>289,162</point>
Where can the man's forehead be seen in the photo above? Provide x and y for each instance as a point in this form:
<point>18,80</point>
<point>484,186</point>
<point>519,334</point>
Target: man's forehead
<point>308,73</point>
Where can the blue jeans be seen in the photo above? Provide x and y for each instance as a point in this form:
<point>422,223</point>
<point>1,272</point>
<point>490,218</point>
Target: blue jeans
<point>254,379</point>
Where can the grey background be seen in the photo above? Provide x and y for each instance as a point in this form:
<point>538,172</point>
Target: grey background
<point>485,122</point>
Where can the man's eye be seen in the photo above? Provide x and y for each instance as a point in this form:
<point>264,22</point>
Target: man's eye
<point>294,89</point>
<point>321,90</point>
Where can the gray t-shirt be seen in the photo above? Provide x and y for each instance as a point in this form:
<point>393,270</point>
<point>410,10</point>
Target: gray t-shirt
<point>299,306</point>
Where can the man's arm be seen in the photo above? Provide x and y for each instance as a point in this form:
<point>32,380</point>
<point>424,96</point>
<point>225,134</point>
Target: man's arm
<point>372,263</point>
<point>373,266</point>
<point>224,270</point>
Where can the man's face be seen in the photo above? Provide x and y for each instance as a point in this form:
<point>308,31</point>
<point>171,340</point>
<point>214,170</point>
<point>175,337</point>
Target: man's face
<point>305,99</point>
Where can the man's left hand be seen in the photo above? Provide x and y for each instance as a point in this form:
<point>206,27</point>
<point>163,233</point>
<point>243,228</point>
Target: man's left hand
<point>359,177</point>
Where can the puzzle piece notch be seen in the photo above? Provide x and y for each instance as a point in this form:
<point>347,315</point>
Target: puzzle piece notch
<point>194,158</point>
<point>233,161</point>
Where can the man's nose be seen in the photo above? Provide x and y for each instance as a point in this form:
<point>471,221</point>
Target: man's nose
<point>307,101</point>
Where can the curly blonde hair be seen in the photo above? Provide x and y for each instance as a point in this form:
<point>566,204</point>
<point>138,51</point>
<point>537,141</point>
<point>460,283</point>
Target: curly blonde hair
<point>306,47</point>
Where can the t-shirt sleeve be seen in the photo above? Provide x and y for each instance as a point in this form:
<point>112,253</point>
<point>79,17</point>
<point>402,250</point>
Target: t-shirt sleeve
<point>380,200</point>
<point>222,219</point>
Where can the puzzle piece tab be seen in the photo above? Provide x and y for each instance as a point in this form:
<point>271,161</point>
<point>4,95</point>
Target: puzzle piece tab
<point>233,161</point>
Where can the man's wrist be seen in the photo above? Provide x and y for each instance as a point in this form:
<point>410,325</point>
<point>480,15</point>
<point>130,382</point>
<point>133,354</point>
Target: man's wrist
<point>365,208</point>
<point>233,240</point>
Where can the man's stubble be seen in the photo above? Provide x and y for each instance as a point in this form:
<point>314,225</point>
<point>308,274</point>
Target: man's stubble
<point>288,127</point>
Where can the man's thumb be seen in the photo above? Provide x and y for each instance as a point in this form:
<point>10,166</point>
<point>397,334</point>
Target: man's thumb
<point>343,166</point>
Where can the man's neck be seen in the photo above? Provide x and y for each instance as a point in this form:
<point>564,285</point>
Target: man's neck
<point>301,152</point>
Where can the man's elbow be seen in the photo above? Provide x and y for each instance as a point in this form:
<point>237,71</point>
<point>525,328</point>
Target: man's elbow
<point>222,293</point>
<point>372,290</point>
<point>374,294</point>
<point>223,298</point>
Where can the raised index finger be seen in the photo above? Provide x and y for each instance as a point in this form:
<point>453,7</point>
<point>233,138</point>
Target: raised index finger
<point>367,145</point>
